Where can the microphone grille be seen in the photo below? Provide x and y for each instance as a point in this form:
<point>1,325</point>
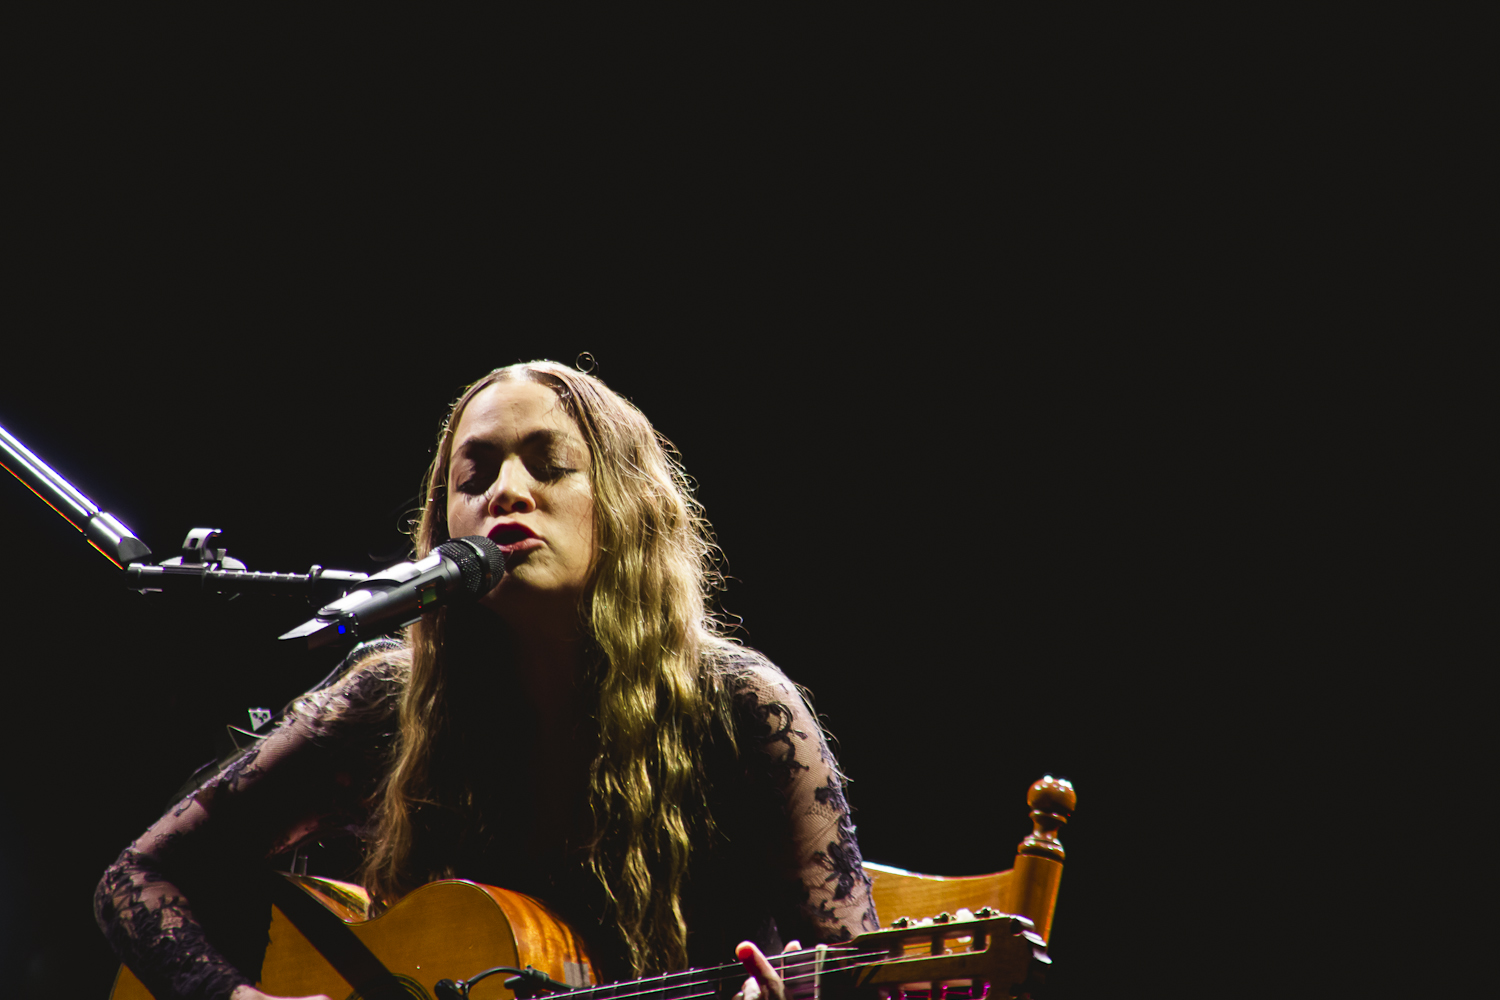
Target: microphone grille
<point>480,562</point>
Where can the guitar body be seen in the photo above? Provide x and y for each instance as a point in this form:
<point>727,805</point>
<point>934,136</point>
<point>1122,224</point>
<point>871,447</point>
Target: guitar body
<point>320,943</point>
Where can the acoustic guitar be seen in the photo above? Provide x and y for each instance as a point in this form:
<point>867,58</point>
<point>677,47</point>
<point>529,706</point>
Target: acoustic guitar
<point>320,942</point>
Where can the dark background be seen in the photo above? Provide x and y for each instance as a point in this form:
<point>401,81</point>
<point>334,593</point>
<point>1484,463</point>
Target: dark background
<point>1015,390</point>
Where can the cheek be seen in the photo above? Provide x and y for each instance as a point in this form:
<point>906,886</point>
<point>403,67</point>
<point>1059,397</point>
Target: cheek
<point>583,520</point>
<point>459,520</point>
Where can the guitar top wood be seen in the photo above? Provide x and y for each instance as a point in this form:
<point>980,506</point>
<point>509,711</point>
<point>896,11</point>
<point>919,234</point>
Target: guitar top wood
<point>320,943</point>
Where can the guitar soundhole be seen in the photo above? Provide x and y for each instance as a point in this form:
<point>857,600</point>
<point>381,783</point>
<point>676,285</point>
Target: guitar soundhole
<point>391,988</point>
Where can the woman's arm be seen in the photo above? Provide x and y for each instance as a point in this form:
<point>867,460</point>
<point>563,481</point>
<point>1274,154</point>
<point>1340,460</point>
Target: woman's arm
<point>308,776</point>
<point>785,752</point>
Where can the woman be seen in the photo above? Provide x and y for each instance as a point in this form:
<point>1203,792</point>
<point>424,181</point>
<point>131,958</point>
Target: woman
<point>583,735</point>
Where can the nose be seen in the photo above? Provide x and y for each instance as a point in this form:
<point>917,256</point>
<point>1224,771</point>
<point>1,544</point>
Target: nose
<point>511,493</point>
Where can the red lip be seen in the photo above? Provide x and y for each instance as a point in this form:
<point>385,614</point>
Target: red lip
<point>508,535</point>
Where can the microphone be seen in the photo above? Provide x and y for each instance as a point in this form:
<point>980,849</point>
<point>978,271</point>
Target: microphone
<point>456,572</point>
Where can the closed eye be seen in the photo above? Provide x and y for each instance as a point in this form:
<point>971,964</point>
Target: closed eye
<point>479,482</point>
<point>549,472</point>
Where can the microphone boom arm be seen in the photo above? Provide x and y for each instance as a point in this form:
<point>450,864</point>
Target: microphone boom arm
<point>200,567</point>
<point>104,531</point>
<point>213,578</point>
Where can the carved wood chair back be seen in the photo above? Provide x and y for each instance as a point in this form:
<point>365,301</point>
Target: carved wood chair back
<point>1028,889</point>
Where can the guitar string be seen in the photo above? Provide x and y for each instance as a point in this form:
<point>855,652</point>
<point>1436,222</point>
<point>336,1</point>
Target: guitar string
<point>834,960</point>
<point>719,981</point>
<point>841,961</point>
<point>725,973</point>
<point>722,973</point>
<point>713,993</point>
<point>831,964</point>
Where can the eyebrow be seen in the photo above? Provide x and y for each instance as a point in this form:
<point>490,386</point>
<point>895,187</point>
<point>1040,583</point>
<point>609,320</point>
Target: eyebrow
<point>542,435</point>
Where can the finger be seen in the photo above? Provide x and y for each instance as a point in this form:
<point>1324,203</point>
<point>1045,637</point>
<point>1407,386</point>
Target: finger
<point>792,946</point>
<point>759,966</point>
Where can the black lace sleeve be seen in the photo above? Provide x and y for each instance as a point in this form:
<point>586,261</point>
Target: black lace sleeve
<point>794,788</point>
<point>313,774</point>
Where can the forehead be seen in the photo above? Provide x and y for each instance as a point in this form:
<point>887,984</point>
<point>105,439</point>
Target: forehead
<point>507,412</point>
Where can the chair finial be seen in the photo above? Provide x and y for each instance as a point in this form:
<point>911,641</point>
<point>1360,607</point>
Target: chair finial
<point>1052,801</point>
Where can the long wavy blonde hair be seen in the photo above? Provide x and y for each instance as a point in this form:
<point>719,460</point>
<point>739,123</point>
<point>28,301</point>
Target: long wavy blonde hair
<point>646,611</point>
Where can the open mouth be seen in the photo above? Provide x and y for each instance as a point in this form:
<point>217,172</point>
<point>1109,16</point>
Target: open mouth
<point>509,534</point>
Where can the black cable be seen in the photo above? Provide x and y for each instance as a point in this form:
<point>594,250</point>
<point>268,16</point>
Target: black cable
<point>525,983</point>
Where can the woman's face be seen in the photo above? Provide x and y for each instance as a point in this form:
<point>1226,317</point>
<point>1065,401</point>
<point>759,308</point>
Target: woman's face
<point>519,475</point>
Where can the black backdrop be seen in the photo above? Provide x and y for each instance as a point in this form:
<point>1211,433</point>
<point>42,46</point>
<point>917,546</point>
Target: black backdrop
<point>984,576</point>
<point>982,384</point>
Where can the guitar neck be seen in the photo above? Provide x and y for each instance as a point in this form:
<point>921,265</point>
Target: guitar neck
<point>801,971</point>
<point>954,959</point>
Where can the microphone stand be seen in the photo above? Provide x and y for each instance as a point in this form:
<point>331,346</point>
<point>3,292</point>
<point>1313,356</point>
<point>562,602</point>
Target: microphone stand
<point>202,566</point>
<point>104,532</point>
<point>211,570</point>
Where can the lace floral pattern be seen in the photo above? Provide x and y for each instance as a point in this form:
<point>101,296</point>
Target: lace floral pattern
<point>297,782</point>
<point>785,752</point>
<point>142,916</point>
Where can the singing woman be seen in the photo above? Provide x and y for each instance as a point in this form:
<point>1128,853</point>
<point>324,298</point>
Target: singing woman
<point>584,734</point>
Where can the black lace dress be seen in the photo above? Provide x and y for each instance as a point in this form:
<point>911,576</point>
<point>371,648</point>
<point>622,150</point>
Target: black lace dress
<point>185,906</point>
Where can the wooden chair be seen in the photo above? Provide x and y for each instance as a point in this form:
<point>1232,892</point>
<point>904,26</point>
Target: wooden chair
<point>1029,889</point>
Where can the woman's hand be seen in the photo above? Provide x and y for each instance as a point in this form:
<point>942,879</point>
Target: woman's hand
<point>764,983</point>
<point>251,993</point>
